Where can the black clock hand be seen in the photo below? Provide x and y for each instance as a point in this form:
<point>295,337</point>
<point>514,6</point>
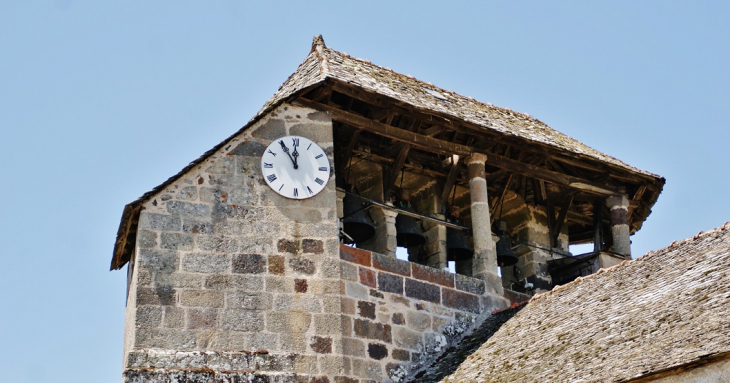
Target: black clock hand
<point>286,150</point>
<point>295,154</point>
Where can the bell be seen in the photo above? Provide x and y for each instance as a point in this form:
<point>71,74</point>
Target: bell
<point>456,247</point>
<point>355,223</point>
<point>408,234</point>
<point>505,255</point>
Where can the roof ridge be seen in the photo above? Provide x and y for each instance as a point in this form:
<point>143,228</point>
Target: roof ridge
<point>318,48</point>
<point>645,258</point>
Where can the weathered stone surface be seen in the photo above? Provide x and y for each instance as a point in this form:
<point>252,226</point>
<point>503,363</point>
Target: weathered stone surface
<point>349,272</point>
<point>227,281</point>
<point>368,369</point>
<point>423,291</point>
<point>418,320</point>
<point>276,284</point>
<point>148,316</point>
<point>240,320</point>
<point>172,339</point>
<point>174,317</point>
<point>302,265</point>
<point>249,263</point>
<point>353,347</point>
<point>399,318</point>
<point>402,355</point>
<point>156,296</point>
<point>431,275</point>
<point>390,283</point>
<point>159,222</point>
<point>270,130</point>
<point>321,345</point>
<point>312,246</point>
<point>248,148</point>
<point>248,300</point>
<point>213,195</point>
<point>302,215</point>
<point>461,301</point>
<point>314,132</point>
<point>205,262</point>
<point>242,197</point>
<point>197,226</point>
<point>218,243</point>
<point>377,351</point>
<point>354,255</point>
<point>470,285</point>
<point>258,245</point>
<point>188,209</point>
<point>276,265</point>
<point>367,277</point>
<point>392,265</point>
<point>188,193</point>
<point>300,285</point>
<point>176,241</point>
<point>297,302</point>
<point>403,337</point>
<point>158,261</point>
<point>288,322</point>
<point>373,330</point>
<point>201,298</point>
<point>356,290</point>
<point>366,309</point>
<point>202,318</point>
<point>147,239</point>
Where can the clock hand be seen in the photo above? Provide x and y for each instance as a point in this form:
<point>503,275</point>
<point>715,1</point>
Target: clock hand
<point>286,150</point>
<point>296,155</point>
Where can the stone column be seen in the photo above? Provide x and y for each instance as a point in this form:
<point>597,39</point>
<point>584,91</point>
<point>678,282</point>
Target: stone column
<point>619,206</point>
<point>384,241</point>
<point>484,264</point>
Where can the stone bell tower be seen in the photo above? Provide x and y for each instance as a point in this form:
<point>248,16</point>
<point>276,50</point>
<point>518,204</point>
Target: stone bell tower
<point>238,269</point>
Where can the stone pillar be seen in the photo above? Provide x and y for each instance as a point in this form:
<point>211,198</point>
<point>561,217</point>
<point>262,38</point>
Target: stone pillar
<point>485,255</point>
<point>435,246</point>
<point>384,241</point>
<point>619,206</point>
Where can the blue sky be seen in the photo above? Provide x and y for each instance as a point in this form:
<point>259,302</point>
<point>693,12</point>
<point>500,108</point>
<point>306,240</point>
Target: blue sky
<point>102,101</point>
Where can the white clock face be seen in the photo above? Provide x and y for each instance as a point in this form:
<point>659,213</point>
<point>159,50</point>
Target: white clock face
<point>295,167</point>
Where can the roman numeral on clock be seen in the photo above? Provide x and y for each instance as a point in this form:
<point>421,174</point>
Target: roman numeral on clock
<point>271,177</point>
<point>322,168</point>
<point>268,165</point>
<point>309,190</point>
<point>272,153</point>
<point>295,142</point>
<point>319,180</point>
<point>296,192</point>
<point>319,156</point>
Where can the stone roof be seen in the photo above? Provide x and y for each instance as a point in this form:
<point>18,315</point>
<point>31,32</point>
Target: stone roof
<point>324,63</point>
<point>667,309</point>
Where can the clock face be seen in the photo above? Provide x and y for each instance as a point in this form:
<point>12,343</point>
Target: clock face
<point>295,167</point>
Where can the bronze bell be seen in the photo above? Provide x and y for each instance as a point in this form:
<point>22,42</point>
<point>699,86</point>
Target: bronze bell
<point>407,233</point>
<point>505,255</point>
<point>355,223</point>
<point>457,248</point>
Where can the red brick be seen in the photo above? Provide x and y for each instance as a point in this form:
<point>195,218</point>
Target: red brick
<point>354,255</point>
<point>391,265</point>
<point>461,301</point>
<point>367,277</point>
<point>429,274</point>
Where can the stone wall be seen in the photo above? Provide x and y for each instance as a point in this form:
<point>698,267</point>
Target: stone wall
<point>229,277</point>
<point>398,316</point>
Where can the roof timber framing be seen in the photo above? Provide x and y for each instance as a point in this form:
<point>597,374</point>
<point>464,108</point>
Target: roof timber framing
<point>435,145</point>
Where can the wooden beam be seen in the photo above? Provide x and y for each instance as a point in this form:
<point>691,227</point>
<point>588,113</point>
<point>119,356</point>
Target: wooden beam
<point>561,218</point>
<point>450,181</point>
<point>433,145</point>
<point>397,165</point>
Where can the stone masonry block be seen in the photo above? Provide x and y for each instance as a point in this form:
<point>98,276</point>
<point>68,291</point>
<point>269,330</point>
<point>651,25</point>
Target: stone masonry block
<point>405,338</point>
<point>172,339</point>
<point>422,291</point>
<point>248,148</point>
<point>312,246</point>
<point>470,285</point>
<point>373,330</point>
<point>197,226</point>
<point>329,365</point>
<point>270,130</point>
<point>390,283</point>
<point>302,265</point>
<point>240,320</point>
<point>461,301</point>
<point>249,263</point>
<point>147,239</point>
<point>158,261</point>
<point>202,318</point>
<point>159,222</point>
<point>213,195</point>
<point>353,347</point>
<point>259,245</point>
<point>176,241</point>
<point>300,285</point>
<point>399,318</point>
<point>174,317</point>
<point>356,290</point>
<point>288,246</point>
<point>276,284</point>
<point>165,296</point>
<point>354,255</point>
<point>392,265</point>
<point>401,355</point>
<point>377,351</point>
<point>321,345</point>
<point>188,193</point>
<point>432,275</point>
<point>218,243</point>
<point>367,277</point>
<point>276,265</point>
<point>227,281</point>
<point>205,263</point>
<point>248,300</point>
<point>418,320</point>
<point>288,322</point>
<point>188,209</point>
<point>201,298</point>
<point>349,272</point>
<point>366,309</point>
<point>369,370</point>
<point>296,302</point>
<point>148,316</point>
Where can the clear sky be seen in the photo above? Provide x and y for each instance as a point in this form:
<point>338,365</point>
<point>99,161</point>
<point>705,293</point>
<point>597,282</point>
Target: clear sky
<point>100,101</point>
